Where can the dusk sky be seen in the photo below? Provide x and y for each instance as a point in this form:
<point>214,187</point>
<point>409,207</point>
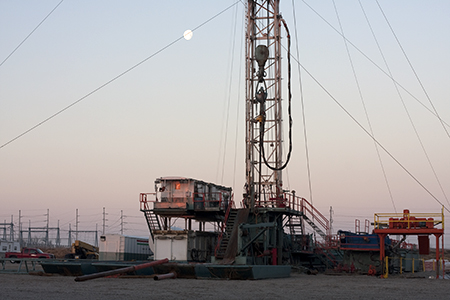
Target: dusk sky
<point>181,112</point>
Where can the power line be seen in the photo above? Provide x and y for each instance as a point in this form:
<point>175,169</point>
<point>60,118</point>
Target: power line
<point>48,15</point>
<point>371,136</point>
<point>375,64</point>
<point>361,97</point>
<point>302,102</point>
<point>230,78</point>
<point>237,111</point>
<point>414,70</point>
<point>400,96</point>
<point>356,121</point>
<point>115,78</point>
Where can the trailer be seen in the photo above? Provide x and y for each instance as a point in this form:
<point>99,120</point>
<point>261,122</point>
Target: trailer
<point>121,247</point>
<point>8,246</point>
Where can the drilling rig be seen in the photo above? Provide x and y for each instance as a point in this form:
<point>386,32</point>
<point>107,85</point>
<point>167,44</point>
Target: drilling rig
<point>264,195</point>
<point>269,227</point>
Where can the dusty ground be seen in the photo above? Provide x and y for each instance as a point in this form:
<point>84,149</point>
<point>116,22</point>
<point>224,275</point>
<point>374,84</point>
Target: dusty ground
<point>298,286</point>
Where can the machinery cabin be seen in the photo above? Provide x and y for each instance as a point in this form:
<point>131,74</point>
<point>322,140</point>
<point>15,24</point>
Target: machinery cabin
<point>184,196</point>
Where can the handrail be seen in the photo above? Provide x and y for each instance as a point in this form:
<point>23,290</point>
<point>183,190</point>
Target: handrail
<point>204,198</point>
<point>144,202</point>
<point>208,198</point>
<point>357,226</point>
<point>316,215</point>
<point>295,203</point>
<point>332,242</point>
<point>302,205</point>
<point>320,247</point>
<point>366,225</point>
<point>407,220</point>
<point>222,227</point>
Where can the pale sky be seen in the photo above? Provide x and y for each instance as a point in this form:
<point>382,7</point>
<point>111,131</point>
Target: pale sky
<point>167,117</point>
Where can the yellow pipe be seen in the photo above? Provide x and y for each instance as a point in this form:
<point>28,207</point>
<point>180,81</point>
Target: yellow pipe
<point>375,221</point>
<point>386,273</point>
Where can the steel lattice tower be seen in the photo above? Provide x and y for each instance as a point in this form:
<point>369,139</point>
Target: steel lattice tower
<point>263,184</point>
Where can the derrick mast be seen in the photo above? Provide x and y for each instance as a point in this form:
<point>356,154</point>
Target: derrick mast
<point>263,104</point>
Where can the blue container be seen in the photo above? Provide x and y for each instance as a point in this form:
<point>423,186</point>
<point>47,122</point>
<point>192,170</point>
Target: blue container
<point>361,241</point>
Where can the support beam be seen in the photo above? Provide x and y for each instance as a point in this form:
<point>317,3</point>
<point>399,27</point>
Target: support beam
<point>437,255</point>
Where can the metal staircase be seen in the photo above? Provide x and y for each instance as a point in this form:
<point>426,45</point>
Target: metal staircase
<point>329,256</point>
<point>302,210</point>
<point>295,225</point>
<point>325,251</point>
<point>152,221</point>
<point>224,237</point>
<point>315,227</point>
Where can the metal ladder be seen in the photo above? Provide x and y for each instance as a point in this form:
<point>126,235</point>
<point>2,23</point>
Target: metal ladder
<point>152,221</point>
<point>315,227</point>
<point>220,253</point>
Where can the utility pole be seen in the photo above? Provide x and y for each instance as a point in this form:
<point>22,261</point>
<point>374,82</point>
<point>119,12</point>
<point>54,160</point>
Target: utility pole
<point>11,235</point>
<point>29,231</point>
<point>331,221</point>
<point>121,222</point>
<point>70,236</point>
<point>58,238</point>
<point>46,232</point>
<point>20,228</point>
<point>104,221</point>
<point>76,225</point>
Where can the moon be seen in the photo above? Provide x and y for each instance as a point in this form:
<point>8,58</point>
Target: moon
<point>188,35</point>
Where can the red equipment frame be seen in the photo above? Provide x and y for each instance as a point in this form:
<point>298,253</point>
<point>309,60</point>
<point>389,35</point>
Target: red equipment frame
<point>409,224</point>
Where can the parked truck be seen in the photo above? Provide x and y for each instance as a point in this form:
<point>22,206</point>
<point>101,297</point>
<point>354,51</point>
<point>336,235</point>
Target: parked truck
<point>82,250</point>
<point>29,253</point>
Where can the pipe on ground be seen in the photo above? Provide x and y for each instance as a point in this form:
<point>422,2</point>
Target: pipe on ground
<point>121,270</point>
<point>165,276</point>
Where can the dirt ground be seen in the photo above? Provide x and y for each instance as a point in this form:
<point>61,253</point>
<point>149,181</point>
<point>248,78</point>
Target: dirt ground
<point>298,286</point>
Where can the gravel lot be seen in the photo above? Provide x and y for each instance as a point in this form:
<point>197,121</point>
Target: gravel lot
<point>298,286</point>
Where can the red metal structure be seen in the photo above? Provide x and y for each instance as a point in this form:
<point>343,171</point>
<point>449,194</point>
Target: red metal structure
<point>420,224</point>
